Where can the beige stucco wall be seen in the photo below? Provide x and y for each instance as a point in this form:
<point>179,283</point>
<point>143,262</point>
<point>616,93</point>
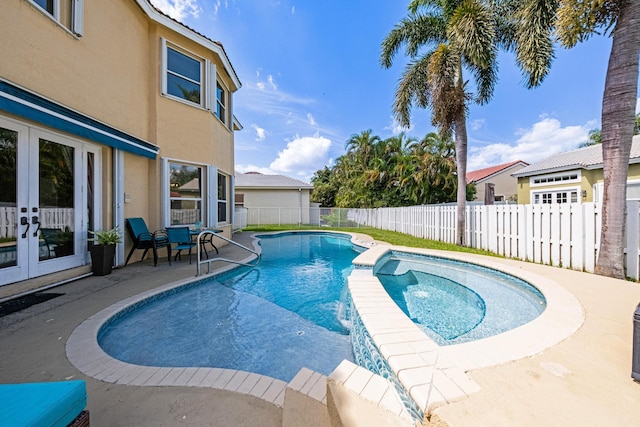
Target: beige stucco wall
<point>274,205</point>
<point>505,184</point>
<point>113,74</point>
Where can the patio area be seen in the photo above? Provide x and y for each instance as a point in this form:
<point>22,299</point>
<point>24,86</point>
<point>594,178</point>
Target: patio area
<point>584,380</point>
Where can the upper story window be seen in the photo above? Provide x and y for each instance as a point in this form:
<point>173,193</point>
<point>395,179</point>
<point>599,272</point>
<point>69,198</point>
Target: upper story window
<point>47,5</point>
<point>183,76</point>
<point>67,13</point>
<point>221,103</point>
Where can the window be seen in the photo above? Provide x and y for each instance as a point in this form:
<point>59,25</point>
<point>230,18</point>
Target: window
<point>221,103</point>
<point>552,179</point>
<point>185,193</point>
<point>222,198</point>
<point>69,14</point>
<point>239,199</point>
<point>47,5</point>
<point>183,76</point>
<point>555,197</point>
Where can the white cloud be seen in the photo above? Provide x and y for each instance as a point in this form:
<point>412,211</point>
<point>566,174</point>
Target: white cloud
<point>272,82</point>
<point>179,9</point>
<point>312,121</point>
<point>293,10</point>
<point>638,106</point>
<point>302,156</point>
<point>396,128</point>
<point>261,133</point>
<point>545,138</point>
<point>476,124</point>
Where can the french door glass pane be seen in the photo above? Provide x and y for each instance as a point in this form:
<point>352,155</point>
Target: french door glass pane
<point>8,211</point>
<point>56,195</point>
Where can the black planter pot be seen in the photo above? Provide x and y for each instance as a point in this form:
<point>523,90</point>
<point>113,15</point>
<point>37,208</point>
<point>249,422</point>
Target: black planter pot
<point>102,259</point>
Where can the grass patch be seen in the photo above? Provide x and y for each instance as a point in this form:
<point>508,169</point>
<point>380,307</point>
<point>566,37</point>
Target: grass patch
<point>390,237</point>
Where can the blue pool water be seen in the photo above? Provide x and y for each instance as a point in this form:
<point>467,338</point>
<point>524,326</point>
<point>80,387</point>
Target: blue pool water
<point>291,311</point>
<point>454,301</point>
<point>286,314</point>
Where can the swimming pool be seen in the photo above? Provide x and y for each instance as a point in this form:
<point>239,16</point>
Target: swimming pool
<point>390,344</point>
<point>455,302</point>
<point>287,314</point>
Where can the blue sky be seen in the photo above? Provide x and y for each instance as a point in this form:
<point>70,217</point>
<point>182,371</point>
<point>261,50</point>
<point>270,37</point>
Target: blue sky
<point>311,78</point>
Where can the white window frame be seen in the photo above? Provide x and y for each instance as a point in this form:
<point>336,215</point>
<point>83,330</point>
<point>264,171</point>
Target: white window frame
<point>77,15</point>
<point>553,192</point>
<point>166,191</point>
<point>221,104</point>
<point>165,45</point>
<point>225,201</point>
<point>556,178</point>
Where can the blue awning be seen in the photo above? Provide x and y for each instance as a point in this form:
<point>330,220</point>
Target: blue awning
<point>28,105</point>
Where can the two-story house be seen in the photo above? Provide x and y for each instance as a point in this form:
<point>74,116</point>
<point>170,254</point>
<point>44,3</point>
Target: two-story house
<point>106,107</point>
<point>573,177</point>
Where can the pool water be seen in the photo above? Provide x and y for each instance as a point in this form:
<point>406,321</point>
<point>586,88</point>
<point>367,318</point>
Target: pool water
<point>454,301</point>
<point>273,320</point>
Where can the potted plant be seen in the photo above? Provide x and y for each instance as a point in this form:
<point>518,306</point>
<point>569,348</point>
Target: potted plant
<point>103,250</point>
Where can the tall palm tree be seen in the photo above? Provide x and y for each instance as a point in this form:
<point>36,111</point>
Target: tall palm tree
<point>443,37</point>
<point>574,21</point>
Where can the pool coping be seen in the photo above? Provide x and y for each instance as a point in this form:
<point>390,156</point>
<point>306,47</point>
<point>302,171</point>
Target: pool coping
<point>432,375</point>
<point>84,352</point>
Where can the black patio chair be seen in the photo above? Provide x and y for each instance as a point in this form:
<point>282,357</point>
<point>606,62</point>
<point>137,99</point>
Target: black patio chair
<point>143,239</point>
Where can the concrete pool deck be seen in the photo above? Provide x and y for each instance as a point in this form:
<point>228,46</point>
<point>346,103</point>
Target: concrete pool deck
<point>583,380</point>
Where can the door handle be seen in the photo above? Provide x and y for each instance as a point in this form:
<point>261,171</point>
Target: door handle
<point>35,221</point>
<point>25,221</point>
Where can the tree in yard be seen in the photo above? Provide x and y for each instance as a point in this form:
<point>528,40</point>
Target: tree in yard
<point>443,37</point>
<point>574,21</point>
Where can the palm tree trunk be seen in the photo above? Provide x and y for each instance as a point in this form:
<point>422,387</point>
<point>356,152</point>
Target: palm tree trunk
<point>618,108</point>
<point>461,170</point>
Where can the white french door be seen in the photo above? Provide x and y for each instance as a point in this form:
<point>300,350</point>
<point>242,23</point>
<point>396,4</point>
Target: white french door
<point>48,186</point>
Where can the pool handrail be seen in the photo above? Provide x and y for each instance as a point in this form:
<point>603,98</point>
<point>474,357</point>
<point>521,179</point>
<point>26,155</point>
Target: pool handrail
<point>209,261</point>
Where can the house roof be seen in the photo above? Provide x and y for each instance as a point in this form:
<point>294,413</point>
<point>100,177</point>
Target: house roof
<point>258,180</point>
<point>480,174</point>
<point>215,46</point>
<point>582,158</point>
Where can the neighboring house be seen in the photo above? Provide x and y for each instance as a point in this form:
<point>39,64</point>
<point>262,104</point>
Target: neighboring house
<point>273,198</point>
<point>505,185</point>
<point>107,109</point>
<point>573,177</point>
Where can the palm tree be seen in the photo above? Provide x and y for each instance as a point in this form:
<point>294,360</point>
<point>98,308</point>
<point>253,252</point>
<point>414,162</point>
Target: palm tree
<point>442,37</point>
<point>574,21</point>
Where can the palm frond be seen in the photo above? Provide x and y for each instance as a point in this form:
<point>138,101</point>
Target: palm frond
<point>413,32</point>
<point>412,89</point>
<point>534,47</point>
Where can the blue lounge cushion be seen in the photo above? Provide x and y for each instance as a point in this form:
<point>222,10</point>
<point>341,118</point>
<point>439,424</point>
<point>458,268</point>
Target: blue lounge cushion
<point>53,404</point>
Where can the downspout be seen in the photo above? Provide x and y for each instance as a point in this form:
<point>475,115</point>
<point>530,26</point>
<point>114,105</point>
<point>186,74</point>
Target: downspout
<point>118,200</point>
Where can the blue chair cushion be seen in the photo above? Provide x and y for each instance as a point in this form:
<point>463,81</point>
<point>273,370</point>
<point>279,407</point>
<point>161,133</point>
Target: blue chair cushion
<point>53,404</point>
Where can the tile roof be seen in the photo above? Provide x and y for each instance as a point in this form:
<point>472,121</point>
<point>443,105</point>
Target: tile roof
<point>582,158</point>
<point>258,180</point>
<point>480,174</point>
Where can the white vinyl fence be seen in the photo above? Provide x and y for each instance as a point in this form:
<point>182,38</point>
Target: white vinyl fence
<point>562,235</point>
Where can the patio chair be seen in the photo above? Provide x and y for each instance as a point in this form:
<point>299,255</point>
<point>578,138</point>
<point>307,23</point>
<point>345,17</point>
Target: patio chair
<point>181,237</point>
<point>143,239</point>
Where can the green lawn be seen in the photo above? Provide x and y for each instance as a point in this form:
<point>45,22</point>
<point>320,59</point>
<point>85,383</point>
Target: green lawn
<point>385,236</point>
